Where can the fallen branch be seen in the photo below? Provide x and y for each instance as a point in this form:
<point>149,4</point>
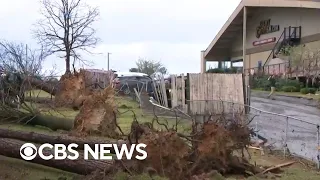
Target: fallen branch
<point>278,166</point>
<point>11,148</point>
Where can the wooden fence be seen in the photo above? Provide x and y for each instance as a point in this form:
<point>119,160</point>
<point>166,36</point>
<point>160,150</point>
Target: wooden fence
<point>178,92</point>
<point>208,93</point>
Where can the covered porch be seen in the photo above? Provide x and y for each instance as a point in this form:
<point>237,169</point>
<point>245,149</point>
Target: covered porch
<point>220,49</point>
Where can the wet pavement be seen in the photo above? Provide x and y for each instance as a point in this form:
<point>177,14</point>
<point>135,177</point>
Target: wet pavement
<point>301,128</point>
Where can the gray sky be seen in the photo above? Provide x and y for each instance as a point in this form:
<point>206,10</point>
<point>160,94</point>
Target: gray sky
<point>171,31</point>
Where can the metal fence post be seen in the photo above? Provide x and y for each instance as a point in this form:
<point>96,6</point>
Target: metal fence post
<point>285,138</point>
<point>257,125</point>
<point>318,148</point>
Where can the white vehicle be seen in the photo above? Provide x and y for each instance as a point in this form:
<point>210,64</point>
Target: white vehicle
<point>126,74</point>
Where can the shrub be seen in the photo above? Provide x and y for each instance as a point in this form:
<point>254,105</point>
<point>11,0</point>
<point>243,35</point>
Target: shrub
<point>304,91</point>
<point>288,82</point>
<point>312,90</point>
<point>215,70</point>
<point>308,90</point>
<point>232,70</point>
<point>261,83</point>
<point>289,89</point>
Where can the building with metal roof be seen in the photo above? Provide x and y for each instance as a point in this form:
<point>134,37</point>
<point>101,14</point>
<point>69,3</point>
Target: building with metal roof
<point>258,29</point>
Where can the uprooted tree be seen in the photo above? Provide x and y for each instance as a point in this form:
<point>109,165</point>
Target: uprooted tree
<point>213,147</point>
<point>18,62</point>
<point>66,29</point>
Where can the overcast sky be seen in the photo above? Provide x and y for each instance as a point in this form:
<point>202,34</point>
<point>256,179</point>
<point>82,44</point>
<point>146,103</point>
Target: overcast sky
<point>171,31</point>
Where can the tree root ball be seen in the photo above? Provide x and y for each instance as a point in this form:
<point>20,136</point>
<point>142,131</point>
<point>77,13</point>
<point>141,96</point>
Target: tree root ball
<point>98,114</point>
<point>71,86</point>
<point>167,154</point>
<point>216,146</point>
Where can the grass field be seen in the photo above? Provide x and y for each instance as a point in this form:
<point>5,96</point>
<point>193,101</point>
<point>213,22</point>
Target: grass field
<point>13,169</point>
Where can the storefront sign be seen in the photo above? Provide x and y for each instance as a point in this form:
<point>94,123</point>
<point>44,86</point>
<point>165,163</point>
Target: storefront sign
<point>264,41</point>
<point>265,28</point>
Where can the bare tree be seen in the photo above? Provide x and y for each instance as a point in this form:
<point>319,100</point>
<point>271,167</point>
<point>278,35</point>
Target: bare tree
<point>67,28</point>
<point>303,59</point>
<point>18,57</point>
<point>19,63</point>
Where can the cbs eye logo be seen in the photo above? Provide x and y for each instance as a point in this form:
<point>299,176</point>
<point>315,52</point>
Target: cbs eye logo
<point>28,151</point>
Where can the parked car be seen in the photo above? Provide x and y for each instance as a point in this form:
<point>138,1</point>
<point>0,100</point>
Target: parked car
<point>126,84</point>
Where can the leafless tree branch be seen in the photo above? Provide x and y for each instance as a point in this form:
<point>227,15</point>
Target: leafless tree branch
<point>18,57</point>
<point>67,27</point>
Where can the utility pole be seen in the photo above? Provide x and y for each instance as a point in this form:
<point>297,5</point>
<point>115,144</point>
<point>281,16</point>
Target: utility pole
<point>26,58</point>
<point>108,60</point>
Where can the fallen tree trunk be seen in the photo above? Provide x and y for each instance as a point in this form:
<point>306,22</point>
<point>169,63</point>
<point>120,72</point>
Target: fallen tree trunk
<point>50,88</point>
<point>11,148</point>
<point>42,138</point>
<point>8,114</point>
<point>48,121</point>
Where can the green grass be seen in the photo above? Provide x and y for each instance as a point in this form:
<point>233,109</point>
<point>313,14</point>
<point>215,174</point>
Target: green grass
<point>38,93</point>
<point>17,169</point>
<point>128,106</point>
<point>297,171</point>
<point>14,169</point>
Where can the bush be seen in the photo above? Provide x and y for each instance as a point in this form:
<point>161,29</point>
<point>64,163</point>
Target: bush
<point>289,89</point>
<point>308,90</point>
<point>215,70</point>
<point>261,83</point>
<point>288,82</point>
<point>232,70</point>
<point>312,90</point>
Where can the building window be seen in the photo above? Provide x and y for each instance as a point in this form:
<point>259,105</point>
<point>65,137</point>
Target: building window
<point>259,65</point>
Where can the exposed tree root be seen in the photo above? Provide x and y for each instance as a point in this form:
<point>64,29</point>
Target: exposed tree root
<point>71,86</point>
<point>98,114</point>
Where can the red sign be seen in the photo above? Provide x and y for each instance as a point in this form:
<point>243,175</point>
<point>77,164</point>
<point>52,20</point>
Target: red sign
<point>264,41</point>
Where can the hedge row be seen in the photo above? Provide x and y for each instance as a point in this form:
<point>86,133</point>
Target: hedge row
<point>287,85</point>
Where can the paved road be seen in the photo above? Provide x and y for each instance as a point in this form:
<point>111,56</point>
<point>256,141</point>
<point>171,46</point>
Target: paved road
<point>301,136</point>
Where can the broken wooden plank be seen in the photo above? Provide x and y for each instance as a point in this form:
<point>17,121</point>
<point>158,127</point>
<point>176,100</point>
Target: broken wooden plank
<point>278,166</point>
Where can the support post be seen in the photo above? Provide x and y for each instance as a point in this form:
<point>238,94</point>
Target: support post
<point>203,63</point>
<point>244,39</point>
<point>244,48</point>
<point>285,146</point>
<point>219,64</point>
<point>318,148</point>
